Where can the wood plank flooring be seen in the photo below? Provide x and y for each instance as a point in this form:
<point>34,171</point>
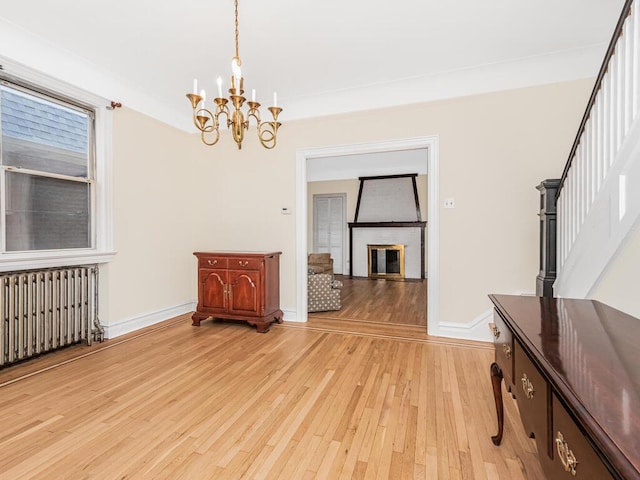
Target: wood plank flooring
<point>383,301</point>
<point>224,402</point>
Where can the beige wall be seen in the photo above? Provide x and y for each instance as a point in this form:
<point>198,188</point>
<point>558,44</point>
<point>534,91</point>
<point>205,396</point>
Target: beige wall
<point>174,196</point>
<point>154,219</point>
<point>619,285</point>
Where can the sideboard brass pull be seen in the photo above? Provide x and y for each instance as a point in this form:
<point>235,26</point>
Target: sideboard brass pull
<point>506,348</point>
<point>212,262</point>
<point>243,264</point>
<point>527,386</point>
<point>565,454</point>
<point>495,330</point>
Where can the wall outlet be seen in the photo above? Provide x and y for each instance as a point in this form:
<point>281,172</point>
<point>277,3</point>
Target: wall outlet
<point>285,211</point>
<point>449,203</point>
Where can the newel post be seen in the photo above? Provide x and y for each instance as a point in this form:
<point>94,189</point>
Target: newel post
<point>547,276</point>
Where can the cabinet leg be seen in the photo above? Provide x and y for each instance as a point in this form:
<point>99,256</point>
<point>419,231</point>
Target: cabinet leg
<point>196,318</point>
<point>496,383</point>
<point>262,327</point>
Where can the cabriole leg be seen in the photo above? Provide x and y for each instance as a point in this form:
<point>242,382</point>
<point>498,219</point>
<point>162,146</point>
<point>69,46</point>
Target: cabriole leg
<point>496,383</point>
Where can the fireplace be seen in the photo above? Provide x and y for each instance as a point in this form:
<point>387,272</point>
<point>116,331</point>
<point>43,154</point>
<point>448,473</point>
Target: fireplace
<point>387,217</point>
<point>386,261</point>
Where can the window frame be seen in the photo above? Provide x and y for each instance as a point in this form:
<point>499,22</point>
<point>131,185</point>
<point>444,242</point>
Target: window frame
<point>100,173</point>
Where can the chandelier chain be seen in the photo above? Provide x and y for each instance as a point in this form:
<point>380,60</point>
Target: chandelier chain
<point>237,54</point>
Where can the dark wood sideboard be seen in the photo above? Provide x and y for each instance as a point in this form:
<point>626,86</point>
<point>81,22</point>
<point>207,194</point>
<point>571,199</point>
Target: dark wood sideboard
<point>574,368</point>
<point>239,286</point>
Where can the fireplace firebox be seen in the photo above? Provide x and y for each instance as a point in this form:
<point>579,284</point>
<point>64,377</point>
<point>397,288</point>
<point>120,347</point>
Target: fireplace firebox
<point>386,261</point>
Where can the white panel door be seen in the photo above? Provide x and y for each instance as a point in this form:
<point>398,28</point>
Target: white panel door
<point>329,226</point>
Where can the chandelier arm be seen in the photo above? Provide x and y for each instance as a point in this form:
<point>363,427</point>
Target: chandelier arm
<point>268,133</point>
<point>201,117</point>
<point>204,139</point>
<point>205,128</point>
<point>222,110</point>
<point>255,113</point>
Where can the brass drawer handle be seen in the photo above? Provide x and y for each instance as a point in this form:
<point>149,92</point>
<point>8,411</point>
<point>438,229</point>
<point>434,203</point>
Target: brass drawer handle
<point>212,262</point>
<point>565,454</point>
<point>243,264</point>
<point>527,386</point>
<point>506,348</point>
<point>495,330</point>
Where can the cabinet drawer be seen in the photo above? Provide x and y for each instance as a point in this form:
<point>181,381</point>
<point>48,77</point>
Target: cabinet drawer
<point>503,341</point>
<point>212,262</point>
<point>531,391</point>
<point>573,457</point>
<point>239,263</point>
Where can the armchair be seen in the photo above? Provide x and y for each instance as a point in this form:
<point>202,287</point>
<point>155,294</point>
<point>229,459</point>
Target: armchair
<point>320,263</point>
<point>323,292</point>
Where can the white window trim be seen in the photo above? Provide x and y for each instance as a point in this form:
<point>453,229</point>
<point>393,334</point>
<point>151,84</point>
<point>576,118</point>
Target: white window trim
<point>102,251</point>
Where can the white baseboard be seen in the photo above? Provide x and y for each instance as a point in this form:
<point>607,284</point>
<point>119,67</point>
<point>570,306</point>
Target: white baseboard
<point>477,329</point>
<point>291,315</point>
<point>128,325</point>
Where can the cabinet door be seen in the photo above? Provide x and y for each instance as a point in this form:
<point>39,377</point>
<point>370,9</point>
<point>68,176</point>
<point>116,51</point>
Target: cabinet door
<point>212,287</point>
<point>244,294</point>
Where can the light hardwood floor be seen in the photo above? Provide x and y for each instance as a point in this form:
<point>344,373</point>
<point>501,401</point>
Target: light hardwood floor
<point>224,402</point>
<point>383,301</point>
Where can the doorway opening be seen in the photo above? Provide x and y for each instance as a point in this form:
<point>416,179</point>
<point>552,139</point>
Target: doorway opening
<point>427,148</point>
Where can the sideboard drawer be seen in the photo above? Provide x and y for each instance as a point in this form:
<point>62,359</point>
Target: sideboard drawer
<point>212,262</point>
<point>503,341</point>
<point>531,392</point>
<point>244,263</point>
<point>572,455</point>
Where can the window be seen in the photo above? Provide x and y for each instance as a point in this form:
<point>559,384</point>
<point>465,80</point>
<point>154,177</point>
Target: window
<point>47,172</point>
<point>55,185</point>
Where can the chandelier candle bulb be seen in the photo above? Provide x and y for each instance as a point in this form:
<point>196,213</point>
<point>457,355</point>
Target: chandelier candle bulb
<point>219,87</point>
<point>195,86</point>
<point>253,95</point>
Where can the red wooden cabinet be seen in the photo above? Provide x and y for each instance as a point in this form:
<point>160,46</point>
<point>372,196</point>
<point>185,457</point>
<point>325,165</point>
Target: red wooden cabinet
<point>239,286</point>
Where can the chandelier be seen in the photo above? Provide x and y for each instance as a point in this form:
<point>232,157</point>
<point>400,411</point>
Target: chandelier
<point>208,121</point>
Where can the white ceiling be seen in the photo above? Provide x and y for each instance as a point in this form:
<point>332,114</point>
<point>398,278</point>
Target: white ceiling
<point>322,57</point>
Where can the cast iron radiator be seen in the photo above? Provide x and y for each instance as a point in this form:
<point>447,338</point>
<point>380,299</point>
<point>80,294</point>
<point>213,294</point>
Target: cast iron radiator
<point>43,310</point>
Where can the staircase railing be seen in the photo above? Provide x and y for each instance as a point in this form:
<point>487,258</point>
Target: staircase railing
<point>595,208</point>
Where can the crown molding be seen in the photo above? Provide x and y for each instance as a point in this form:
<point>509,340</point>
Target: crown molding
<point>29,50</point>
